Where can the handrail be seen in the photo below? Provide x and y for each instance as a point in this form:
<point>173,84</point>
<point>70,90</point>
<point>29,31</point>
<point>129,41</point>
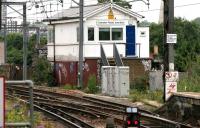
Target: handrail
<point>117,56</point>
<point>103,57</point>
<point>30,84</point>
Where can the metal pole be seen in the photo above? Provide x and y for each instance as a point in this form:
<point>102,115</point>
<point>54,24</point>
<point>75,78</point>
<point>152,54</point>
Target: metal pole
<point>54,56</point>
<point>5,42</point>
<point>0,13</point>
<point>80,72</point>
<point>171,30</point>
<point>37,37</point>
<point>31,105</point>
<point>25,41</point>
<point>30,84</point>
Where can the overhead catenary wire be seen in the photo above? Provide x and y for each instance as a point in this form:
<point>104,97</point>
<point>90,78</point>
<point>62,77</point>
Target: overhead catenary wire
<point>68,3</point>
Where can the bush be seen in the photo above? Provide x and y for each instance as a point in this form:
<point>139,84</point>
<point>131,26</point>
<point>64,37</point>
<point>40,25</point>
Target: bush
<point>42,71</point>
<point>92,85</point>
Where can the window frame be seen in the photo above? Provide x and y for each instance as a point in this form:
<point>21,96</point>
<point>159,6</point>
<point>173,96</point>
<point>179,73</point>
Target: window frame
<point>110,31</point>
<point>88,34</point>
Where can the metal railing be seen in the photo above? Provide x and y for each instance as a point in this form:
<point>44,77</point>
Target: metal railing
<point>30,84</point>
<point>103,57</point>
<point>117,56</point>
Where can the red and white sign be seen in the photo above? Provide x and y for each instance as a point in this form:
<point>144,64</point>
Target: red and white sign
<point>170,88</point>
<point>171,76</point>
<point>2,102</point>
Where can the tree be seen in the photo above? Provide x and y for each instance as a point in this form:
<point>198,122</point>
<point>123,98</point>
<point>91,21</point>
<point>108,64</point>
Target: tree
<point>42,71</point>
<point>187,49</point>
<point>121,3</point>
<point>15,48</point>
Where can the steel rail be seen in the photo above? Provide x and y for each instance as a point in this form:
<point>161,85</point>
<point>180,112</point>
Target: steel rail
<point>63,119</point>
<point>157,120</point>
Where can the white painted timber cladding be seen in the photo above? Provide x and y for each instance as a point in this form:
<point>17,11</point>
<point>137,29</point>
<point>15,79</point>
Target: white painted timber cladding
<point>143,40</point>
<point>67,45</point>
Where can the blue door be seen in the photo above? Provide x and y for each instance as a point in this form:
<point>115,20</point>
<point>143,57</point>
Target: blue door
<point>130,40</point>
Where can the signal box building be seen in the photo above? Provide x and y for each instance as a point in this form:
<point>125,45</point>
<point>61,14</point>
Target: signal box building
<point>110,34</point>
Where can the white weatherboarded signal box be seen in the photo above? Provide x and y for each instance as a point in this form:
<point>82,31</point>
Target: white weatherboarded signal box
<point>2,102</point>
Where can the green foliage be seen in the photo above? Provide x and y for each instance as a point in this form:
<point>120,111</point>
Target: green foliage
<point>121,3</point>
<point>15,48</point>
<point>68,87</point>
<point>18,112</point>
<point>140,83</point>
<point>190,82</point>
<point>197,20</point>
<point>156,38</point>
<point>43,41</point>
<point>187,48</point>
<point>14,40</point>
<point>92,85</point>
<point>42,71</point>
<point>1,38</point>
<point>144,23</point>
<point>139,95</point>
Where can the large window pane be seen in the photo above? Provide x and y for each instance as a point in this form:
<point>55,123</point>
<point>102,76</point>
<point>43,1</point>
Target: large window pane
<point>117,34</point>
<point>90,34</point>
<point>104,33</point>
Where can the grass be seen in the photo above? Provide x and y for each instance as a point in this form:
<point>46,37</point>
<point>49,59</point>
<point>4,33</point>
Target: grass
<point>68,87</point>
<point>17,112</point>
<point>138,95</point>
<point>191,80</point>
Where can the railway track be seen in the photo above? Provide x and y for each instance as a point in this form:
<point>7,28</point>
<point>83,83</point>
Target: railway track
<point>93,108</point>
<point>61,116</point>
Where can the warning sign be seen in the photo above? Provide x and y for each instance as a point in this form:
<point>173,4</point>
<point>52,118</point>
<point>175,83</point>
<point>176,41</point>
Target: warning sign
<point>170,88</point>
<point>2,102</point>
<point>171,76</point>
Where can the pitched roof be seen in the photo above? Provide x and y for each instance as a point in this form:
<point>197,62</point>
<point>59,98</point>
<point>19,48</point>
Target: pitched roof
<point>90,10</point>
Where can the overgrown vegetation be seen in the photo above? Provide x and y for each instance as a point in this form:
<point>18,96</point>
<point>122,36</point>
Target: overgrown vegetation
<point>142,95</point>
<point>187,48</point>
<point>92,84</point>
<point>42,71</point>
<point>140,91</point>
<point>17,112</point>
<point>187,51</point>
<point>15,48</point>
<point>190,81</point>
<point>140,83</point>
<point>68,87</point>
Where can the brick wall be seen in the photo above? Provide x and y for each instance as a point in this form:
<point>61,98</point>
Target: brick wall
<point>137,69</point>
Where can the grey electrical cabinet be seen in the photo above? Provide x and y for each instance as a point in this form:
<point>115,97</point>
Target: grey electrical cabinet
<point>115,80</point>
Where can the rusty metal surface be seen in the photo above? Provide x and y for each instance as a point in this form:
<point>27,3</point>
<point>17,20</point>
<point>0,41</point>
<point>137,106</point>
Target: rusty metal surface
<point>67,72</point>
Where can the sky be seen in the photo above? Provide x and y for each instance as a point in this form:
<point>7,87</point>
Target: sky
<point>188,9</point>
